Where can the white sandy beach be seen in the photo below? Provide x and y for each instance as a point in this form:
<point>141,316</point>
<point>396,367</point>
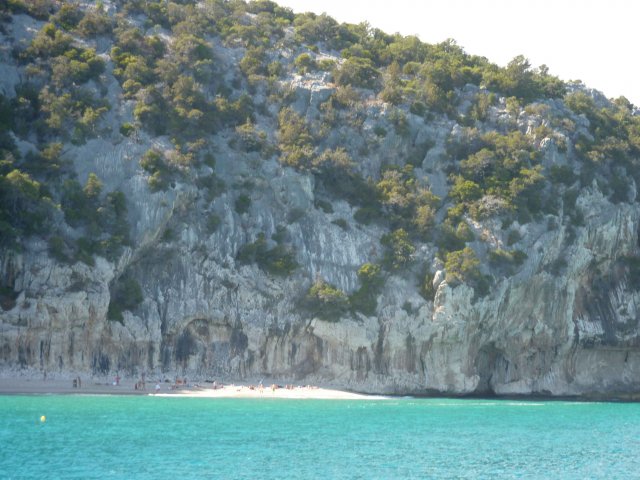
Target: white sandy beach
<point>246,391</point>
<point>31,385</point>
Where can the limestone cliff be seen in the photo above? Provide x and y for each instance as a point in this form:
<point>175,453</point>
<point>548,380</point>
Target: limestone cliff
<point>563,322</point>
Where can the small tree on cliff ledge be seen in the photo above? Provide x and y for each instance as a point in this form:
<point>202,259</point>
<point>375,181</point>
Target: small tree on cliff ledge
<point>399,249</point>
<point>326,301</point>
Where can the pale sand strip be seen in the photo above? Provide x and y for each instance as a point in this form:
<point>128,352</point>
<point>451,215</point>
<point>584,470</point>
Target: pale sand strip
<point>243,391</point>
<point>32,386</point>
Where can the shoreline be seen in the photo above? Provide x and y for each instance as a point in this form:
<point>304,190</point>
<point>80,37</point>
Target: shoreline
<point>126,387</point>
<point>62,384</point>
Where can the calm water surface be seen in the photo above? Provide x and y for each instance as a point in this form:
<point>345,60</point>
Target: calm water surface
<point>159,437</point>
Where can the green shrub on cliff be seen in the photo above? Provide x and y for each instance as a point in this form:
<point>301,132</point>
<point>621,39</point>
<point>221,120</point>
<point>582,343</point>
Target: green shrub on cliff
<point>296,143</point>
<point>506,261</point>
<point>25,208</point>
<point>243,203</point>
<point>154,162</point>
<point>398,249</point>
<point>326,301</point>
<point>364,299</point>
<point>356,72</point>
<point>126,294</point>
<point>463,266</point>
<point>304,63</point>
<point>277,260</point>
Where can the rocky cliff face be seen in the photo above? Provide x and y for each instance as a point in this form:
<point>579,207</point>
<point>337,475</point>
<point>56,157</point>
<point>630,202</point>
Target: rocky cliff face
<point>565,323</point>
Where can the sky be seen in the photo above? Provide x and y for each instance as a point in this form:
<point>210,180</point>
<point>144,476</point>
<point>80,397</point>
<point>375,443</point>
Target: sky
<point>594,41</point>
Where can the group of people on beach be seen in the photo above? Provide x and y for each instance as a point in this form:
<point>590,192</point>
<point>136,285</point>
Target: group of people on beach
<point>176,385</point>
<point>180,383</point>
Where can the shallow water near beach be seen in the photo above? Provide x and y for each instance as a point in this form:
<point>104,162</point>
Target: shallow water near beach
<point>153,437</point>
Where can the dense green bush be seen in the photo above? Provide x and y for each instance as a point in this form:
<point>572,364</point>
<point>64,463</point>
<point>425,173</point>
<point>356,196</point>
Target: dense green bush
<point>367,215</point>
<point>212,185</point>
<point>126,294</point>
<point>58,249</point>
<point>400,123</point>
<point>69,16</point>
<point>73,116</point>
<point>25,208</point>
<point>151,111</point>
<point>126,129</point>
<point>325,301</point>
<point>79,204</point>
<point>364,299</point>
<point>101,217</point>
<point>506,261</point>
<point>398,249</point>
<point>254,62</point>
<point>615,142</point>
<point>48,42</point>
<point>305,63</point>
<point>296,142</point>
<point>278,260</point>
<point>335,170</point>
<point>154,163</point>
<point>323,205</point>
<point>426,287</point>
<point>249,139</point>
<point>95,23</point>
<point>34,188</point>
<point>408,205</point>
<point>519,80</point>
<point>513,237</point>
<point>242,203</point>
<point>499,176</point>
<point>234,112</point>
<point>562,174</point>
<point>463,266</point>
<point>342,223</point>
<point>38,9</point>
<point>311,28</point>
<point>57,102</point>
<point>356,72</point>
<point>620,188</point>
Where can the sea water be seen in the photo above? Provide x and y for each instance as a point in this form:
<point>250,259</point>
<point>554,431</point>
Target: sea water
<point>169,437</point>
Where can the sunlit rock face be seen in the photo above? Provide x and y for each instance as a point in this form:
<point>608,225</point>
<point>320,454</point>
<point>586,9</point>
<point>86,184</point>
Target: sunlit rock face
<point>566,323</point>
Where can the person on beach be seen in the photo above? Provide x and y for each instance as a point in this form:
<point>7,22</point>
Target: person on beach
<point>157,387</point>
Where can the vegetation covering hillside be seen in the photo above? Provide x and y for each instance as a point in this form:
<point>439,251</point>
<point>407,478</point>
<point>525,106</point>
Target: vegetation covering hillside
<point>170,59</point>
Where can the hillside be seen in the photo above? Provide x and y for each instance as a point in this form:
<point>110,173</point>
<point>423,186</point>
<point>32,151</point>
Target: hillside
<point>228,189</point>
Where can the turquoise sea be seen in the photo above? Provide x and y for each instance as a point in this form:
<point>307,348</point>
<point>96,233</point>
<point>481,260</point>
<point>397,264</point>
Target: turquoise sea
<point>165,437</point>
